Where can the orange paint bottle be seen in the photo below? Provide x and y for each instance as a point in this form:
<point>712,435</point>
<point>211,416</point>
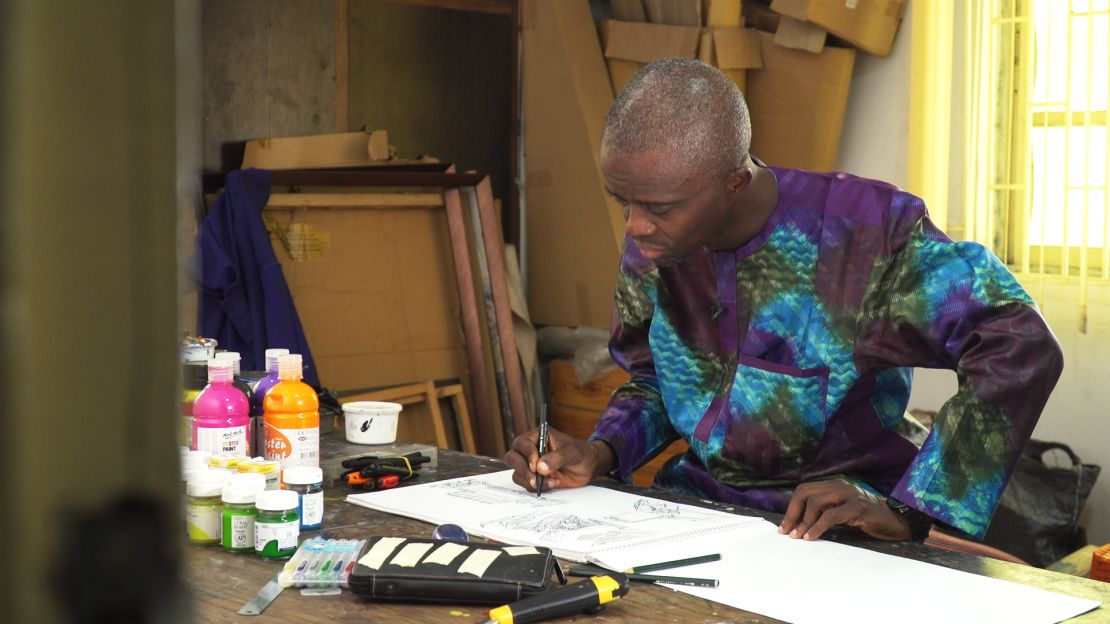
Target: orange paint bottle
<point>291,413</point>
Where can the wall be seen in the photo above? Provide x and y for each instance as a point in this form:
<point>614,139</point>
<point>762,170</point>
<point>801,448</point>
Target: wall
<point>439,81</point>
<point>268,70</point>
<point>874,144</point>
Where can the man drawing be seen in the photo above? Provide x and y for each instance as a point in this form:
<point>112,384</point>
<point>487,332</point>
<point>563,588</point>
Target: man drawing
<point>771,317</point>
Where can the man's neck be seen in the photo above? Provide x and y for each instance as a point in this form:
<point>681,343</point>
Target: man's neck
<point>752,208</point>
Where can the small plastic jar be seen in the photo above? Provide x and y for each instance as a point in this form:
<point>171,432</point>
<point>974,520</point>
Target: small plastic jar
<point>269,468</point>
<point>203,507</point>
<point>239,512</point>
<point>308,483</point>
<point>277,526</point>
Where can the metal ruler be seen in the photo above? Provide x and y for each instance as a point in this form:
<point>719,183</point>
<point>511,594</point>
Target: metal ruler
<point>261,600</point>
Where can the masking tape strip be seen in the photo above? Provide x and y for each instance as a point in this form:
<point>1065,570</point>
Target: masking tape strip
<point>478,562</point>
<point>446,553</point>
<point>411,554</point>
<point>380,551</point>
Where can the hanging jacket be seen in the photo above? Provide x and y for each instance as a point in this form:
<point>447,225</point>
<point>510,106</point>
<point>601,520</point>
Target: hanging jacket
<point>245,303</point>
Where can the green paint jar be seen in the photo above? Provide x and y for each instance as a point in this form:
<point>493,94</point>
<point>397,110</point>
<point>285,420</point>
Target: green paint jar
<point>277,526</point>
<point>203,507</point>
<point>239,512</point>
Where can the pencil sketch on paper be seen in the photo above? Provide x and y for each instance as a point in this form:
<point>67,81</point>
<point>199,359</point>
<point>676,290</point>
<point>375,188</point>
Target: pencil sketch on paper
<point>649,509</point>
<point>567,527</point>
<point>645,519</point>
<point>482,491</point>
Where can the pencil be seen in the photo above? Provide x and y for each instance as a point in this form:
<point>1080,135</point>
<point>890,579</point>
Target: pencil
<point>542,445</point>
<point>678,563</point>
<point>650,578</point>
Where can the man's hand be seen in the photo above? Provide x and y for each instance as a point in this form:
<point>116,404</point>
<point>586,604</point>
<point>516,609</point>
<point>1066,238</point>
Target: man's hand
<point>817,506</point>
<point>568,462</point>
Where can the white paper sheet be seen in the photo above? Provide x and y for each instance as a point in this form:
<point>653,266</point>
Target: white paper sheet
<point>572,523</point>
<point>828,583</point>
<point>759,571</point>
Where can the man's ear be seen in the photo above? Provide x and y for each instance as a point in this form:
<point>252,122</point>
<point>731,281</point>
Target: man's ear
<point>738,178</point>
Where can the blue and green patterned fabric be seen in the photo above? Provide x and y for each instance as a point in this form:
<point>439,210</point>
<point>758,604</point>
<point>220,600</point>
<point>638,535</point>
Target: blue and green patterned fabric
<point>789,359</point>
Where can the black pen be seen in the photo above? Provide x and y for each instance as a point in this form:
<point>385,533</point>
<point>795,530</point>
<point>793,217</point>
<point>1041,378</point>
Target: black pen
<point>542,447</point>
<point>649,578</point>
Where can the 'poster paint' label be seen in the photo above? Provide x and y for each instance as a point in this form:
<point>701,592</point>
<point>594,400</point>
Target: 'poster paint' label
<point>232,440</point>
<point>293,447</point>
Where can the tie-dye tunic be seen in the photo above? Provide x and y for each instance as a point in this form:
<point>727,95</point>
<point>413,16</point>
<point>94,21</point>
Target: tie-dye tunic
<point>789,358</point>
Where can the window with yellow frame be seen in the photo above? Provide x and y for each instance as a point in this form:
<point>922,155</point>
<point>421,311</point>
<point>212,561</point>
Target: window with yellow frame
<point>1037,148</point>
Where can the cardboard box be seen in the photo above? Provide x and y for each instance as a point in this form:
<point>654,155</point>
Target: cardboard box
<point>576,407</point>
<point>575,230</point>
<point>722,13</point>
<point>760,16</point>
<point>629,10</point>
<point>733,50</point>
<point>345,149</point>
<point>869,25</point>
<point>631,45</point>
<point>797,104</point>
<point>674,12</point>
<point>799,35</point>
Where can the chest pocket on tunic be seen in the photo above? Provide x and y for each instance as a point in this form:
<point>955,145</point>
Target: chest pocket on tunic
<point>774,422</point>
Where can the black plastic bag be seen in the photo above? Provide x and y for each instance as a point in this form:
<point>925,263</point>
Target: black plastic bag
<point>1038,516</point>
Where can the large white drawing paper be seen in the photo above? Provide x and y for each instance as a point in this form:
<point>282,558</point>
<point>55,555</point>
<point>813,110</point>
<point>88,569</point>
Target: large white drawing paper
<point>829,583</point>
<point>574,524</point>
<point>759,571</point>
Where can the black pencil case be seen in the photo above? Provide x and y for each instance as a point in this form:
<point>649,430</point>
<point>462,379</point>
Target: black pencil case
<point>431,570</point>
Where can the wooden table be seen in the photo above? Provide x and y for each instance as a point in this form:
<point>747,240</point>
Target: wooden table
<point>222,582</point>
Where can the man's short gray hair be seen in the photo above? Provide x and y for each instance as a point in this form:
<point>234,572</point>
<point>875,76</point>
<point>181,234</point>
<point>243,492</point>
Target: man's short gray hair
<point>691,110</point>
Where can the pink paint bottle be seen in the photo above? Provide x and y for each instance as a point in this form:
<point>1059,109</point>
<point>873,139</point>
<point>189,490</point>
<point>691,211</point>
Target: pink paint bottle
<point>221,413</point>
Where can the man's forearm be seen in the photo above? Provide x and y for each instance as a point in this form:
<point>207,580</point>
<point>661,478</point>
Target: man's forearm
<point>605,460</point>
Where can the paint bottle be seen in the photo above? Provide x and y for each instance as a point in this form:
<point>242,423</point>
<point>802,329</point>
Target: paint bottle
<point>221,413</point>
<point>258,392</point>
<point>203,507</point>
<point>242,386</point>
<point>239,512</point>
<point>292,417</point>
<point>277,526</point>
<point>308,483</point>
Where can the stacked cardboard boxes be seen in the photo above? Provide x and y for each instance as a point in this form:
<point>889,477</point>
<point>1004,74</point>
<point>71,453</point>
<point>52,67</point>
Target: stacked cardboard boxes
<point>793,62</point>
<point>708,30</point>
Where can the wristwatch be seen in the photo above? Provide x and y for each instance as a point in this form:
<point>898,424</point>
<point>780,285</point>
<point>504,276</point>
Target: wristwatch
<point>920,523</point>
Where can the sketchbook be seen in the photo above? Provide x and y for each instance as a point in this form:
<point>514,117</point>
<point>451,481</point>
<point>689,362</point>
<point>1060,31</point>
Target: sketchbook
<point>760,571</point>
<point>575,524</point>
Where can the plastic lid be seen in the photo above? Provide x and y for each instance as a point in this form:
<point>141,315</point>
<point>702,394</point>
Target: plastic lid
<point>277,500</point>
<point>188,474</point>
<point>254,480</point>
<point>233,356</point>
<point>240,495</point>
<point>289,366</point>
<point>207,483</point>
<point>191,460</point>
<point>243,487</point>
<point>272,356</point>
<point>302,475</point>
<point>220,370</point>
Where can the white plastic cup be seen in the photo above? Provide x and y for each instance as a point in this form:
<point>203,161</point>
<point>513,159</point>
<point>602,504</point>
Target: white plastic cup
<point>371,422</point>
